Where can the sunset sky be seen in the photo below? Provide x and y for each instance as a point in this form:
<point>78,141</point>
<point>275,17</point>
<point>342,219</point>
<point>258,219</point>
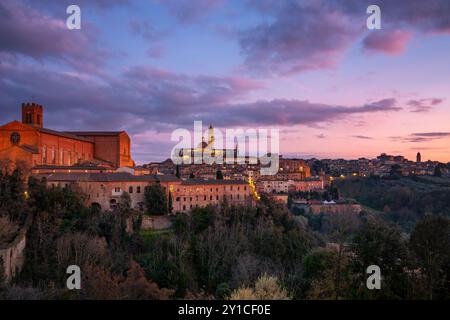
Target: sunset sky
<point>310,68</point>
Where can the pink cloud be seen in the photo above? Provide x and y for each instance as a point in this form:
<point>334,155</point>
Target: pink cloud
<point>392,42</point>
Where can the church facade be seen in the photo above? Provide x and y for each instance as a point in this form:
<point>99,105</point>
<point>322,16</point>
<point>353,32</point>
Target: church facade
<point>28,141</point>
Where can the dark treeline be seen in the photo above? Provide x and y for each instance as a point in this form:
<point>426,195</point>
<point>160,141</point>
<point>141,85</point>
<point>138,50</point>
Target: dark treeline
<point>230,252</point>
<point>403,201</point>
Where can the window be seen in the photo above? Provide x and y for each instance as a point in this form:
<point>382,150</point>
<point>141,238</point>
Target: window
<point>130,189</point>
<point>177,199</point>
<point>210,197</point>
<point>44,154</point>
<point>53,155</point>
<point>217,197</point>
<point>138,189</point>
<point>38,119</point>
<point>15,138</point>
<point>116,190</point>
<point>204,198</point>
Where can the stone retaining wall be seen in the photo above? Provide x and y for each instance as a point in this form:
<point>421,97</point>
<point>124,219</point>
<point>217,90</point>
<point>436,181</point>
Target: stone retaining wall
<point>13,254</point>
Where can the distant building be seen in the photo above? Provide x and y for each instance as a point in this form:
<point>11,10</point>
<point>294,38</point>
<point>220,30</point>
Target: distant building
<point>284,186</point>
<point>418,157</point>
<point>194,193</point>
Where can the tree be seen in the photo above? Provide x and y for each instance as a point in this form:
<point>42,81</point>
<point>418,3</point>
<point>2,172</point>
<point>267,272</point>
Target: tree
<point>156,200</point>
<point>135,286</point>
<point>334,193</point>
<point>340,228</point>
<point>380,243</point>
<point>219,175</point>
<point>177,171</point>
<point>125,202</point>
<point>430,242</point>
<point>266,288</point>
<point>12,199</point>
<point>170,202</point>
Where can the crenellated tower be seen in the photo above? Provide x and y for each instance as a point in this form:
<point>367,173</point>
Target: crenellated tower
<point>32,114</point>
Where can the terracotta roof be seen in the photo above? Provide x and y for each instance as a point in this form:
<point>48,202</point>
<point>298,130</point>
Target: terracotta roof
<point>96,177</point>
<point>63,134</point>
<point>124,176</point>
<point>104,177</point>
<point>94,133</point>
<point>212,182</point>
<point>75,167</point>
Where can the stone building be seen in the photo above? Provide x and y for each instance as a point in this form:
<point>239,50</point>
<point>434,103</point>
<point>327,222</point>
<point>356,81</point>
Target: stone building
<point>284,186</point>
<point>104,189</point>
<point>28,141</point>
<point>199,193</point>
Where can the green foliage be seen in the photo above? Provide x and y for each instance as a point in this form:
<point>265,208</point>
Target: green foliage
<point>224,248</point>
<point>223,291</point>
<point>380,243</point>
<point>404,201</point>
<point>12,196</point>
<point>430,242</point>
<point>156,200</point>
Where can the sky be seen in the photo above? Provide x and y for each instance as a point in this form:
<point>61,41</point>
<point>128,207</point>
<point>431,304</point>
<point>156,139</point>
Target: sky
<point>311,69</point>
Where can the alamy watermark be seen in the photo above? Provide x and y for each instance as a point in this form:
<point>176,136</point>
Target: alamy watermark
<point>234,146</point>
<point>73,22</point>
<point>74,280</point>
<point>374,280</point>
<point>374,20</point>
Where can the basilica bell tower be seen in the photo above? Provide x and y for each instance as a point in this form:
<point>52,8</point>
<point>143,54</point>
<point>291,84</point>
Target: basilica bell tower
<point>32,114</point>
